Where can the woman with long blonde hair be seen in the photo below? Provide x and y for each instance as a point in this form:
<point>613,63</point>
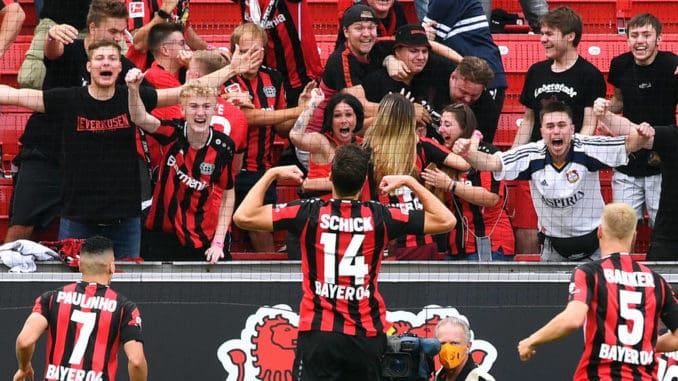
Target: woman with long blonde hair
<point>392,138</point>
<point>397,150</point>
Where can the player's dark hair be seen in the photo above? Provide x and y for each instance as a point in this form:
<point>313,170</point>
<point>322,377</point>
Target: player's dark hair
<point>102,9</point>
<point>566,21</point>
<point>555,106</point>
<point>643,19</point>
<point>352,102</point>
<point>159,33</point>
<point>349,169</point>
<point>96,245</point>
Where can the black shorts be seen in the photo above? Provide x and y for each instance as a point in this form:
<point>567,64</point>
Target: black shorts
<point>246,180</point>
<point>36,199</point>
<point>330,356</point>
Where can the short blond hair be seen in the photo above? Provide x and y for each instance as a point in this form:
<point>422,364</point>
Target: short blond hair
<point>618,221</point>
<point>196,89</point>
<point>256,30</point>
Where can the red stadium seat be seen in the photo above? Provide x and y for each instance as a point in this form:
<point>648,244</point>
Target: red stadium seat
<point>506,130</point>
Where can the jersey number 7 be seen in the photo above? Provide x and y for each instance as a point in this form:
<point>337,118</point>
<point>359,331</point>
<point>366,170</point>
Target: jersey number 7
<point>87,319</point>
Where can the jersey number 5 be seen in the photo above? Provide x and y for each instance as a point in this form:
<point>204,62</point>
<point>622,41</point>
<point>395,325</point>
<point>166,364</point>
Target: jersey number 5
<point>630,334</point>
<point>351,263</point>
<point>87,319</point>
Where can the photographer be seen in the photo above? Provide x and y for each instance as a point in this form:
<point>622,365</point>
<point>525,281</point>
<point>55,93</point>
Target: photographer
<point>454,335</point>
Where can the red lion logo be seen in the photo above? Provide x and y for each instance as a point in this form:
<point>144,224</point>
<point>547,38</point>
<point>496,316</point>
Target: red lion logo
<point>265,350</point>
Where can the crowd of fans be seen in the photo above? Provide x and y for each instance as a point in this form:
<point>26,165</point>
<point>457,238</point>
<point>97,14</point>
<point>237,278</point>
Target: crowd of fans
<point>158,160</point>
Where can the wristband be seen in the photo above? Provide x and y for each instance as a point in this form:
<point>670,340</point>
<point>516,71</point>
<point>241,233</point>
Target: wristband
<point>162,14</point>
<point>218,244</point>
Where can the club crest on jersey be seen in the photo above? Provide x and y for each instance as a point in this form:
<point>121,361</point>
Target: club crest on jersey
<point>206,168</point>
<point>267,343</point>
<point>269,91</point>
<point>572,176</point>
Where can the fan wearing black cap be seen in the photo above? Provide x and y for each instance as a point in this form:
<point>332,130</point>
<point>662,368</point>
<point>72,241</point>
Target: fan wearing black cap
<point>421,61</point>
<point>347,66</point>
<point>390,16</point>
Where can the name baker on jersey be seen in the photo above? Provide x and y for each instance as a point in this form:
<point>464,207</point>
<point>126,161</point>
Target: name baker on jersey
<point>183,177</point>
<point>563,202</point>
<point>634,279</point>
<point>335,291</point>
<point>84,301</point>
<point>64,373</point>
<point>626,355</point>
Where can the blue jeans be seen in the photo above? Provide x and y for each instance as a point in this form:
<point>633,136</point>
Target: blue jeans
<point>126,236</point>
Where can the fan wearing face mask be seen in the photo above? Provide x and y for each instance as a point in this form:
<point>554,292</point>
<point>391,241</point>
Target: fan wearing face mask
<point>454,335</point>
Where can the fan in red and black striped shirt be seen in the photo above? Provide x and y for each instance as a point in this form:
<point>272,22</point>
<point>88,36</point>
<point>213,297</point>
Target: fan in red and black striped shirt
<point>342,314</point>
<point>291,47</point>
<point>86,323</point>
<point>194,196</point>
<point>620,303</point>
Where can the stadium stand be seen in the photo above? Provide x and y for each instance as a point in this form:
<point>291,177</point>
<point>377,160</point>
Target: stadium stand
<point>215,19</point>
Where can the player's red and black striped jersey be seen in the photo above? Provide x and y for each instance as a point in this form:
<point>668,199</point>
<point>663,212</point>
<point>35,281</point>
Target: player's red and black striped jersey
<point>267,94</point>
<point>428,151</point>
<point>291,47</point>
<point>481,220</point>
<point>188,193</point>
<point>342,244</point>
<point>626,300</point>
<point>87,322</point>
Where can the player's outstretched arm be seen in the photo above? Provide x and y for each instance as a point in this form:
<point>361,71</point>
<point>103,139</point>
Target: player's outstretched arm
<point>437,217</point>
<point>29,98</point>
<point>252,214</point>
<point>563,324</point>
<point>136,360</point>
<point>33,328</point>
<point>137,111</point>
